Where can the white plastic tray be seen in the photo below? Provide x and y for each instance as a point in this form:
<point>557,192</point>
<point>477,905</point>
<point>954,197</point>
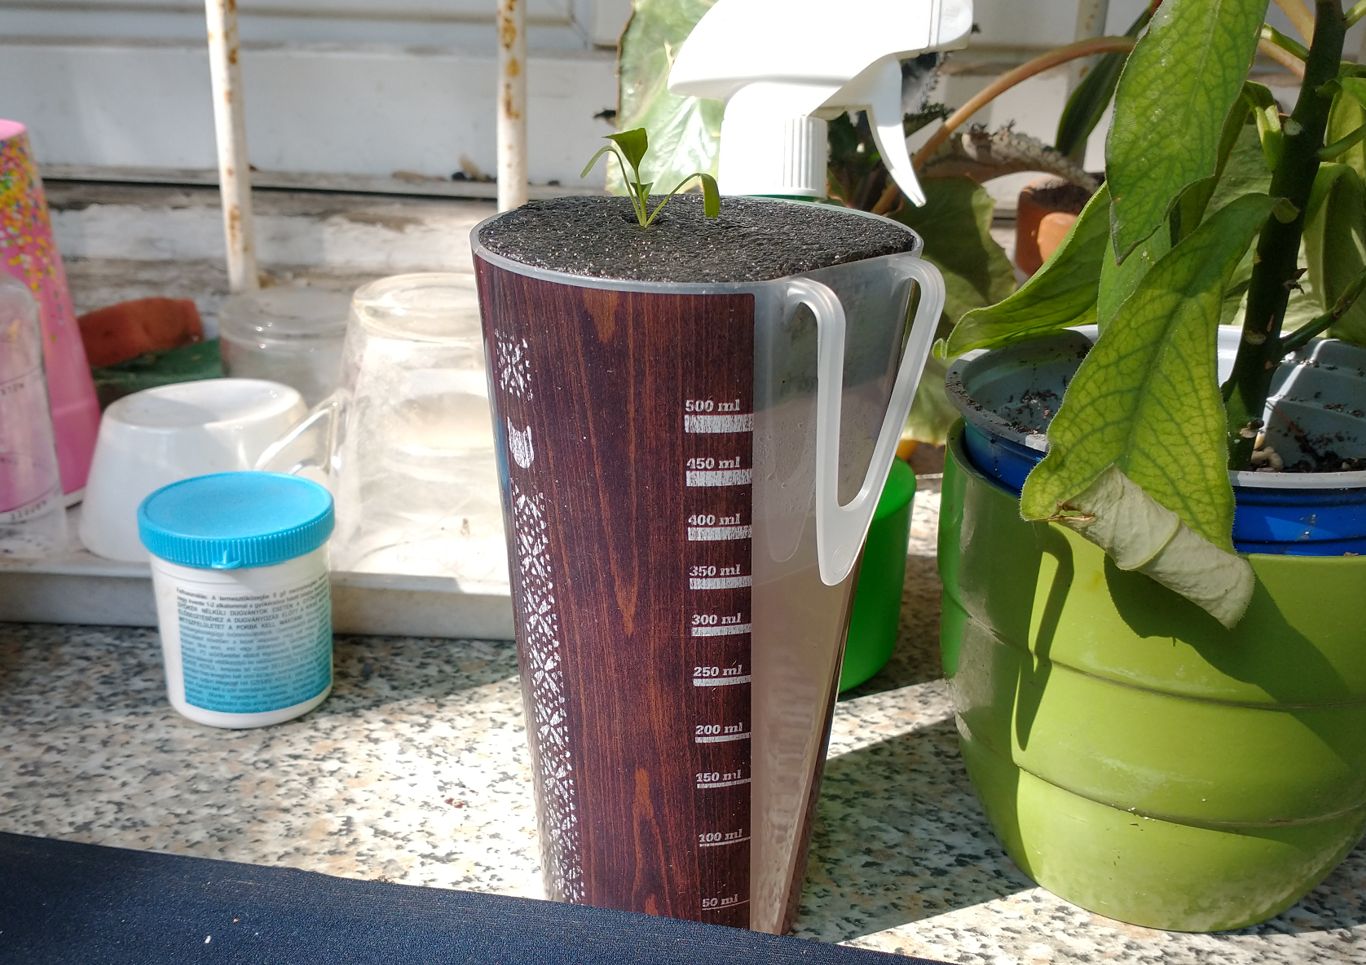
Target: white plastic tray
<point>77,587</point>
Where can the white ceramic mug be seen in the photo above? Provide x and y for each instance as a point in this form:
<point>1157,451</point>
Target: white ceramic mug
<point>159,436</point>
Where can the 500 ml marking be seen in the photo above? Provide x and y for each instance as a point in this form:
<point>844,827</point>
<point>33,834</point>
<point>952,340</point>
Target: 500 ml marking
<point>709,416</point>
<point>714,676</point>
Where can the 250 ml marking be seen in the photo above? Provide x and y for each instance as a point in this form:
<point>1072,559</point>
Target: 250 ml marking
<point>716,676</point>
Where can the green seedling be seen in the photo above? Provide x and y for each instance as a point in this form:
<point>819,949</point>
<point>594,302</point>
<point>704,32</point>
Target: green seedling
<point>629,148</point>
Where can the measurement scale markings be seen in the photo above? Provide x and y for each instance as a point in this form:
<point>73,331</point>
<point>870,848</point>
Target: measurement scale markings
<point>721,738</point>
<point>735,783</point>
<point>720,582</point>
<point>720,681</point>
<point>728,904</point>
<point>705,534</point>
<point>722,844</point>
<point>726,630</point>
<point>720,477</point>
<point>718,423</point>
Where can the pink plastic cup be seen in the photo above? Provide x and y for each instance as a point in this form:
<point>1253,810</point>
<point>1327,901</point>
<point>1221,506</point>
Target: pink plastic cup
<point>28,253</point>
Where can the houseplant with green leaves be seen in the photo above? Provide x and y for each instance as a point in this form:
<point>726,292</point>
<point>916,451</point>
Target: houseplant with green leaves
<point>1164,726</point>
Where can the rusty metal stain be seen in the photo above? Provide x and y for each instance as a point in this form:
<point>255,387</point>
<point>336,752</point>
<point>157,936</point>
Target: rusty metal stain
<point>507,28</point>
<point>514,67</point>
<point>510,103</point>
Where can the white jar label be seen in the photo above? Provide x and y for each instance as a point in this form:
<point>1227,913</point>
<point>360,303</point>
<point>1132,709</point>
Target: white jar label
<point>248,653</point>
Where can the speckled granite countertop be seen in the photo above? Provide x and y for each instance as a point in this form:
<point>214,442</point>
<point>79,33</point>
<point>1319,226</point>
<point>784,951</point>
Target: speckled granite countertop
<point>416,771</point>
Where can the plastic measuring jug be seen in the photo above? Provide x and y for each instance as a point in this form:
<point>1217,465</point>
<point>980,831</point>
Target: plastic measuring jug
<point>688,472</point>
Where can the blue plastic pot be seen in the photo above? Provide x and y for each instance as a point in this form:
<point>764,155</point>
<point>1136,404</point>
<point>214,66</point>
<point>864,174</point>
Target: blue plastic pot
<point>1007,397</point>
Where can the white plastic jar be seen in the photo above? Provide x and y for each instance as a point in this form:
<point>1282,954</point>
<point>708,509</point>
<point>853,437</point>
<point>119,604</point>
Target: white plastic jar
<point>239,569</point>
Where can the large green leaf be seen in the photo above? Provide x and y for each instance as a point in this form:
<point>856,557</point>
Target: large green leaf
<point>1061,293</point>
<point>1335,243</point>
<point>1137,457</point>
<point>1242,170</point>
<point>1346,116</point>
<point>1173,96</point>
<point>684,131</point>
<point>955,222</point>
<point>1119,280</point>
<point>1087,103</point>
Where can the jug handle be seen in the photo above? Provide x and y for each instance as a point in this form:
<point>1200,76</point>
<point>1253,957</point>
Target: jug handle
<point>323,418</point>
<point>840,529</point>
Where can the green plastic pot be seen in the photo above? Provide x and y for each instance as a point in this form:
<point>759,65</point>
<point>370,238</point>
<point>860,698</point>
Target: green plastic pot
<point>1133,756</point>
<point>875,619</point>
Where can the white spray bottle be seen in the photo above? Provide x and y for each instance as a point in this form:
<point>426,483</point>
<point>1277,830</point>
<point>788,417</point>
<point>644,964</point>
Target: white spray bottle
<point>783,66</point>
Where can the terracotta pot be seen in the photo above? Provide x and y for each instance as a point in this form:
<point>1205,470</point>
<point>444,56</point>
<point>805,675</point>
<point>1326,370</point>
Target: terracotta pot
<point>1047,210</point>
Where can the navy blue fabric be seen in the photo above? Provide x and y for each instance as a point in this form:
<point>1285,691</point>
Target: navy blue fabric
<point>62,902</point>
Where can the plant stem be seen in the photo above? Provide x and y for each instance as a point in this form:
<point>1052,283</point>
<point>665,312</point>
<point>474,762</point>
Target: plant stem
<point>1276,266</point>
<point>1322,323</point>
<point>1282,56</point>
<point>1356,13</point>
<point>1270,35</point>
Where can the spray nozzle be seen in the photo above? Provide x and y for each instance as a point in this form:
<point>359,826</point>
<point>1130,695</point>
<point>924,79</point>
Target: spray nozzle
<point>782,66</point>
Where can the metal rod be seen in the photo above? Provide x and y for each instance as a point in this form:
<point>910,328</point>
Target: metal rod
<point>1091,19</point>
<point>511,104</point>
<point>230,134</point>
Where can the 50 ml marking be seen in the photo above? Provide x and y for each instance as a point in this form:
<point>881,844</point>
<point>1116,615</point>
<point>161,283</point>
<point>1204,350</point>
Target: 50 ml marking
<point>725,901</point>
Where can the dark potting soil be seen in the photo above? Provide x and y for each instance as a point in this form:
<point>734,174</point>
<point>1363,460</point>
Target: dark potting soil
<point>752,240</point>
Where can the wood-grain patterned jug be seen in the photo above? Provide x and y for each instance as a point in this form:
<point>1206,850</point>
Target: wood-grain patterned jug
<point>688,471</point>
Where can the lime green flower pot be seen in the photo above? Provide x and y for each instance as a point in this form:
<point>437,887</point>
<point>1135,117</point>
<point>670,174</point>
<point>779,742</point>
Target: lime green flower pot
<point>1133,756</point>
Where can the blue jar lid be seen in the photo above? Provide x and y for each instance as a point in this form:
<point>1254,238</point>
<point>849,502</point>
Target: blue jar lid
<point>235,520</point>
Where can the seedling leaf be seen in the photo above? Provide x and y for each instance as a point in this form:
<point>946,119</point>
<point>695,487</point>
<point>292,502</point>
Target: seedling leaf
<point>633,145</point>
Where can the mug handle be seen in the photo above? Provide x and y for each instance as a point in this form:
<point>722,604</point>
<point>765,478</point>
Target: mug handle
<point>840,529</point>
<point>318,430</point>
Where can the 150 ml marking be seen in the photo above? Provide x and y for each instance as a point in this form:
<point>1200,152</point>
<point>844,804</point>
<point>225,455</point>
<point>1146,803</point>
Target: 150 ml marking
<point>710,779</point>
